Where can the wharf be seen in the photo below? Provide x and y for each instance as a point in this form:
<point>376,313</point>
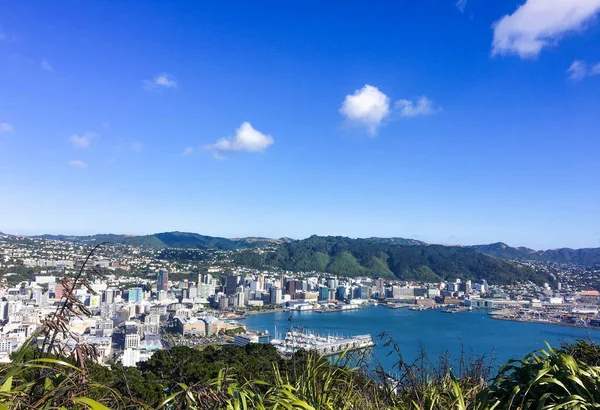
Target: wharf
<point>323,345</point>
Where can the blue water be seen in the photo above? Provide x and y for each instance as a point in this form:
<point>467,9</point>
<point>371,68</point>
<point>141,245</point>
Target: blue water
<point>473,332</point>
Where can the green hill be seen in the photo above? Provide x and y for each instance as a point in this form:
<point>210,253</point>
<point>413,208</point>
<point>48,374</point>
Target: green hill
<point>585,256</point>
<point>354,257</point>
<point>172,240</point>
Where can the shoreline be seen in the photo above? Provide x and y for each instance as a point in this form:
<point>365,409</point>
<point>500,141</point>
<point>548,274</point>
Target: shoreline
<point>497,317</point>
<point>263,312</point>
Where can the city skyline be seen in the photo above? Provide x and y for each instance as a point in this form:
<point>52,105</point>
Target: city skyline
<point>455,123</point>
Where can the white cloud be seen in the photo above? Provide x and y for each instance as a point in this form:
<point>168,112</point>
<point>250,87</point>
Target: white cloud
<point>77,163</point>
<point>2,37</point>
<point>162,80</point>
<point>46,65</point>
<point>246,139</point>
<point>188,151</point>
<point>577,70</point>
<point>106,125</point>
<point>367,107</point>
<point>580,69</point>
<point>423,106</point>
<point>460,5</point>
<point>84,140</point>
<point>539,23</point>
<point>6,127</point>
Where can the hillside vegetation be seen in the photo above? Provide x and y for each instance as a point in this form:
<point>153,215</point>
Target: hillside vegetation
<point>353,257</point>
<point>172,240</point>
<point>585,256</point>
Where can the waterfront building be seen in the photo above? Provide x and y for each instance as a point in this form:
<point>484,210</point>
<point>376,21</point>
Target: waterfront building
<point>364,292</point>
<point>251,337</point>
<point>342,293</point>
<point>331,295</point>
<point>276,296</point>
<point>323,293</point>
<point>190,326</point>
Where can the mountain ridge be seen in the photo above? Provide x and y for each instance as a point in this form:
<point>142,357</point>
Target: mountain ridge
<point>583,256</point>
<point>344,256</point>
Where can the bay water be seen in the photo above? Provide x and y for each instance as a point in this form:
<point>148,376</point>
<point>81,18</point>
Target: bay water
<point>474,332</point>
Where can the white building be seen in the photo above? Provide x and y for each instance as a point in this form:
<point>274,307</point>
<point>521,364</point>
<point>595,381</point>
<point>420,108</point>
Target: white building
<point>130,357</point>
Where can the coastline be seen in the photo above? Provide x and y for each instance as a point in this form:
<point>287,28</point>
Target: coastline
<point>498,317</point>
<point>263,312</point>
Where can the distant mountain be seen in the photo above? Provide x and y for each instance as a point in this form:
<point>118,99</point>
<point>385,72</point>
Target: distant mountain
<point>397,241</point>
<point>585,256</point>
<point>172,240</point>
<point>357,257</point>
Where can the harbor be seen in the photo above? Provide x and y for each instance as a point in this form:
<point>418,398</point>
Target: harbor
<point>474,331</point>
<point>338,308</point>
<point>325,345</point>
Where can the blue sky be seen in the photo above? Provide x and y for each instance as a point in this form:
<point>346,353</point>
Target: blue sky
<point>469,122</point>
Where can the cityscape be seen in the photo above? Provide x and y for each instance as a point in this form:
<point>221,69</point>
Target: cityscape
<point>300,205</point>
<point>142,300</point>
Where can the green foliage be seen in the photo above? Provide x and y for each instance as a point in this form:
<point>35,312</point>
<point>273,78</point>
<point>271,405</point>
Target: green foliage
<point>351,257</point>
<point>255,377</point>
<point>345,264</point>
<point>169,240</point>
<point>585,351</point>
<point>544,380</point>
<point>585,257</point>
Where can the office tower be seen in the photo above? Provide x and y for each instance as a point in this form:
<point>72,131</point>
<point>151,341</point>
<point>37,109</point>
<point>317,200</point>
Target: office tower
<point>231,282</point>
<point>276,296</point>
<point>109,295</point>
<point>135,295</point>
<point>162,280</point>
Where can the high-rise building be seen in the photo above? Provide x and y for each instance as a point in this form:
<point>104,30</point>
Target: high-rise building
<point>231,283</point>
<point>205,278</point>
<point>292,286</point>
<point>135,295</point>
<point>323,293</point>
<point>223,302</point>
<point>162,280</point>
<point>132,340</point>
<point>282,281</point>
<point>276,296</point>
<point>239,299</point>
<point>380,284</point>
<point>109,295</point>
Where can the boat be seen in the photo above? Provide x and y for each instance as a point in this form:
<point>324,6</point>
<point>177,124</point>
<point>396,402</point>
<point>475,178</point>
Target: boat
<point>295,340</point>
<point>338,308</point>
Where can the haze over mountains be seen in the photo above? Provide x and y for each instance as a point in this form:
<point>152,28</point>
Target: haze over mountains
<point>584,256</point>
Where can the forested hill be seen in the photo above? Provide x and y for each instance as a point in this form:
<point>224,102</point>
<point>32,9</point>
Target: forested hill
<point>585,256</point>
<point>354,257</point>
<point>172,240</point>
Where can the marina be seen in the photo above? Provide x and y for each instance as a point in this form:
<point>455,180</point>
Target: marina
<point>338,308</point>
<point>328,345</point>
